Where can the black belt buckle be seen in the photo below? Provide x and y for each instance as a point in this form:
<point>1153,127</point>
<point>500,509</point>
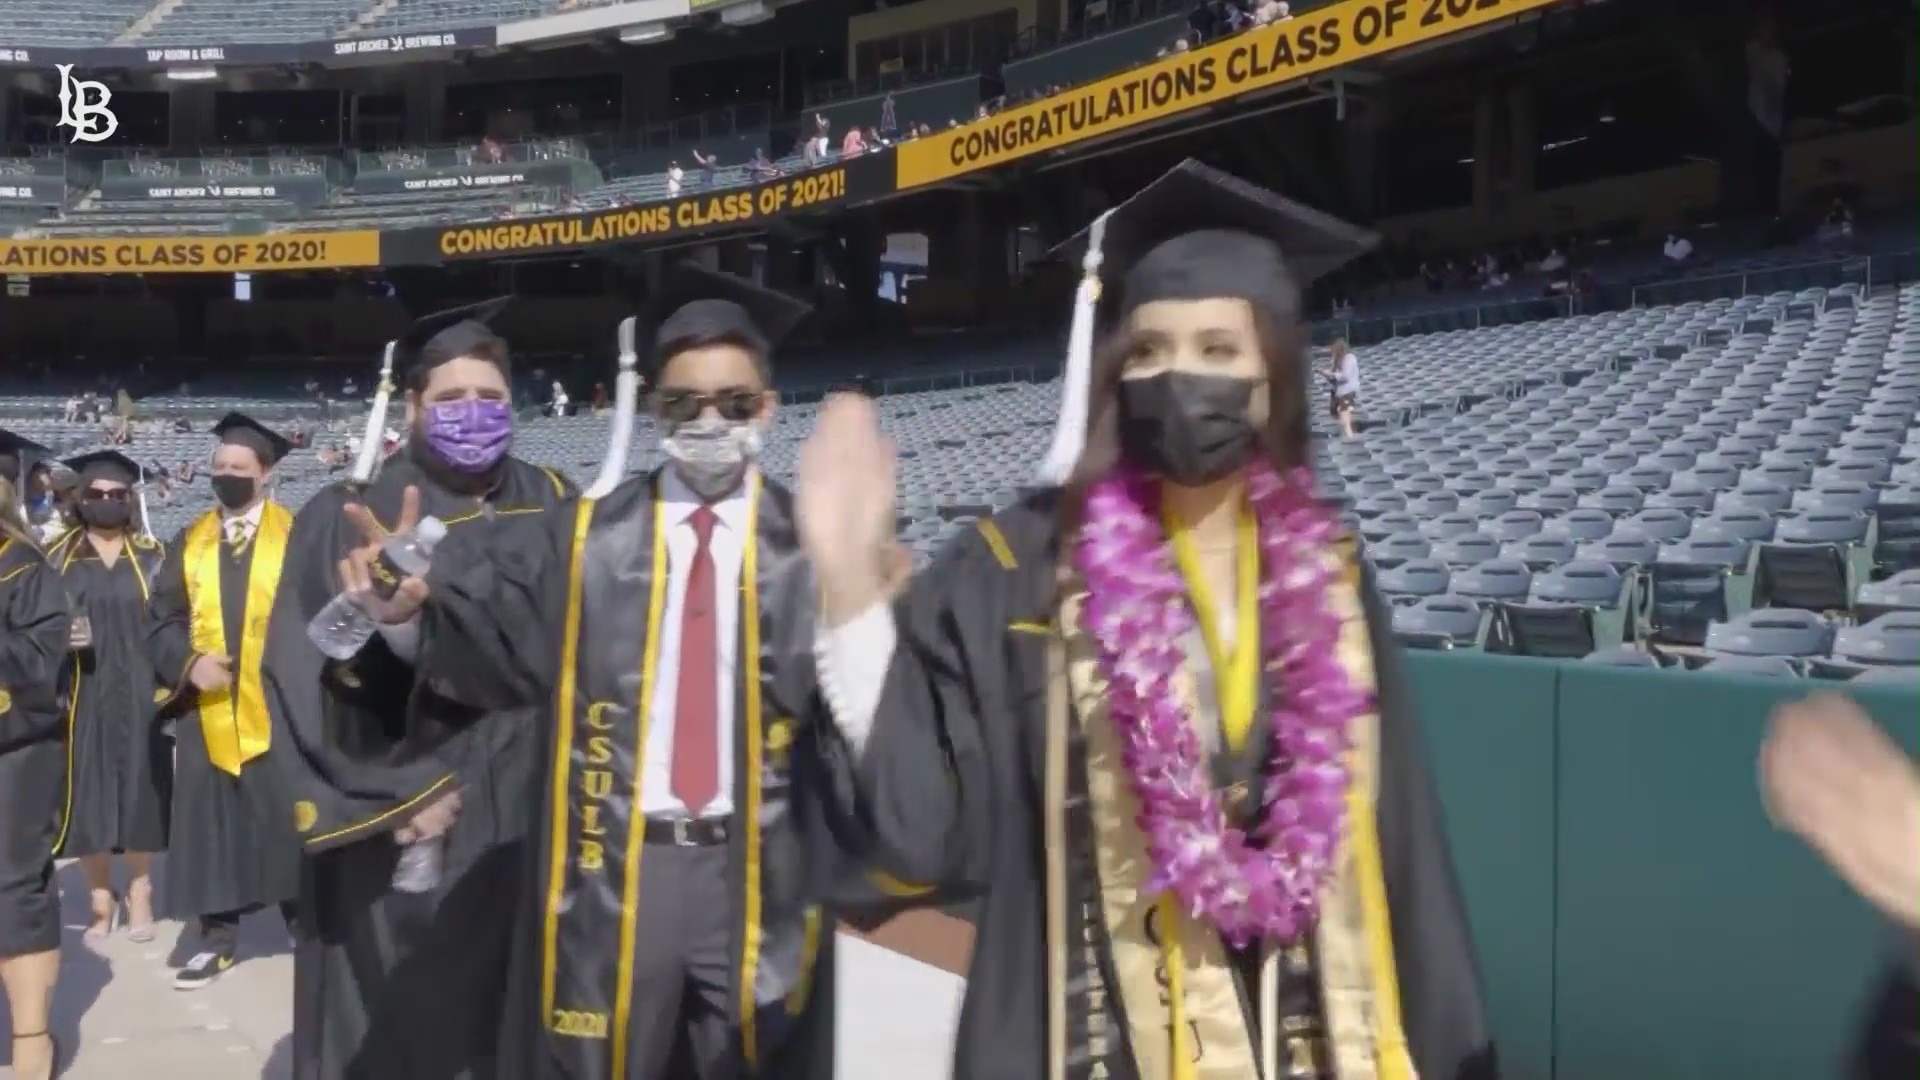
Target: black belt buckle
<point>687,832</point>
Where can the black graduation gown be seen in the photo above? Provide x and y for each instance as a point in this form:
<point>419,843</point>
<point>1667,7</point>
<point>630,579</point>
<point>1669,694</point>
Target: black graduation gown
<point>122,762</point>
<point>388,984</point>
<point>1889,1047</point>
<point>951,782</point>
<point>563,623</point>
<point>233,847</point>
<point>34,617</point>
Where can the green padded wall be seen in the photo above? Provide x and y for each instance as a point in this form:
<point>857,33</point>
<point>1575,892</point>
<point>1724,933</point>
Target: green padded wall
<point>1635,913</point>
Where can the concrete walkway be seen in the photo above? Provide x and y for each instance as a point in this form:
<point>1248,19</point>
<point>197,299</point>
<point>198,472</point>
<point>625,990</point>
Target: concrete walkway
<point>118,1017</point>
<point>117,1014</point>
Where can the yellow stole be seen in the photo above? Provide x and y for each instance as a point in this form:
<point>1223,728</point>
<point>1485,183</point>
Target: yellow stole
<point>234,721</point>
<point>1175,981</point>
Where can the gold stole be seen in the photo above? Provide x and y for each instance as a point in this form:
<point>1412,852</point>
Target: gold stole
<point>1193,979</point>
<point>234,721</point>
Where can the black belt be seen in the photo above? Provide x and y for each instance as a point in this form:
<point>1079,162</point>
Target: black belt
<point>681,832</point>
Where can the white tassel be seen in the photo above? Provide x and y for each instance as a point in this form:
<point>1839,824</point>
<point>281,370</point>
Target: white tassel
<point>373,439</point>
<point>140,495</point>
<point>1070,433</point>
<point>626,393</point>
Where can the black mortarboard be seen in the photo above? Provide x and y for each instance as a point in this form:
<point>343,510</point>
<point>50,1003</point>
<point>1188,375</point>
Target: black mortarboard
<point>243,430</point>
<point>19,454</point>
<point>108,463</point>
<point>1196,233</point>
<point>700,305</point>
<point>448,335</point>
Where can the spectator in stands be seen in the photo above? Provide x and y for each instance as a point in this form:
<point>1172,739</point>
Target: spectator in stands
<point>1344,372</point>
<point>492,151</point>
<point>70,412</point>
<point>1838,224</point>
<point>889,117</point>
<point>1271,11</point>
<point>598,401</point>
<point>815,149</point>
<point>709,167</point>
<point>760,168</point>
<point>673,179</point>
<point>854,143</point>
<point>1676,251</point>
<point>558,402</point>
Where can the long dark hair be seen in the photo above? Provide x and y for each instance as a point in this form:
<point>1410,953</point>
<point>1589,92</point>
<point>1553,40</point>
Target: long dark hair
<point>1286,438</point>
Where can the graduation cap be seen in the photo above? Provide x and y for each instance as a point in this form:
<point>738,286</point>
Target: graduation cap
<point>700,306</point>
<point>18,455</point>
<point>240,429</point>
<point>445,336</point>
<point>114,465</point>
<point>1196,233</point>
<point>105,463</point>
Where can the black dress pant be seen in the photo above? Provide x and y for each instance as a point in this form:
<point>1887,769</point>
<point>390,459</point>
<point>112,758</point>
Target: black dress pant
<point>220,932</point>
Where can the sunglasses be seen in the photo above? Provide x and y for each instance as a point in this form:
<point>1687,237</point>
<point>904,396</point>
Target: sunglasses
<point>106,495</point>
<point>684,406</point>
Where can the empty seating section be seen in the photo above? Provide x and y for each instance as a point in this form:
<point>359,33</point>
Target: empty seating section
<point>64,23</point>
<point>420,16</point>
<point>204,22</point>
<point>1731,484</point>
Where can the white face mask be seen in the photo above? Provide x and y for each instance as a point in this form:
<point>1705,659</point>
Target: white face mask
<point>712,454</point>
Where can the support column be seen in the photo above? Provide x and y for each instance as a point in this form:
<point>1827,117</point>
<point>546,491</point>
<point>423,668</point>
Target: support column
<point>426,104</point>
<point>1486,152</point>
<point>190,116</point>
<point>1523,142</point>
<point>1365,144</point>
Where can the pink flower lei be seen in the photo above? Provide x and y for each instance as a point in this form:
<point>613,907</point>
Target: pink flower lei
<point>1137,614</point>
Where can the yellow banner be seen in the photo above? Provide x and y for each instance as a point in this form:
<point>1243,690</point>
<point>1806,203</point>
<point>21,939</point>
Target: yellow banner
<point>1311,44</point>
<point>191,254</point>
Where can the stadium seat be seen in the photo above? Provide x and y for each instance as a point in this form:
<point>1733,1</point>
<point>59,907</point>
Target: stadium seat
<point>1901,592</point>
<point>1786,633</point>
<point>1440,622</point>
<point>1892,638</point>
<point>1414,579</point>
<point>1494,581</point>
<point>1815,562</point>
<point>1570,612</point>
<point>1393,550</point>
<point>1690,585</point>
<point>1467,550</point>
<point>1623,656</point>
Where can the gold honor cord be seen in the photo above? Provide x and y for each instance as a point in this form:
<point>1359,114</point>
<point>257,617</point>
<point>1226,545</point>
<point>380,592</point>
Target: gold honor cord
<point>234,721</point>
<point>751,933</point>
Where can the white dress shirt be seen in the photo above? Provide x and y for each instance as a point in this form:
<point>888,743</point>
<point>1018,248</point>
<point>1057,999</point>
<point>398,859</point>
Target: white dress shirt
<point>852,661</point>
<point>230,522</point>
<point>728,547</point>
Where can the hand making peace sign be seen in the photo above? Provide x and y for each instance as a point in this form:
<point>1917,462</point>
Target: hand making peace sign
<point>356,570</point>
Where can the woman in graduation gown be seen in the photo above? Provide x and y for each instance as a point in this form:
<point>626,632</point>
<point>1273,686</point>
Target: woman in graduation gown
<point>1153,714</point>
<point>386,980</point>
<point>122,762</point>
<point>234,851</point>
<point>34,619</point>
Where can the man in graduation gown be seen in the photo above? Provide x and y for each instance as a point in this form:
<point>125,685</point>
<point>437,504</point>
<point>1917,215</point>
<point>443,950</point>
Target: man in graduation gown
<point>232,848</point>
<point>391,984</point>
<point>665,627</point>
<point>998,751</point>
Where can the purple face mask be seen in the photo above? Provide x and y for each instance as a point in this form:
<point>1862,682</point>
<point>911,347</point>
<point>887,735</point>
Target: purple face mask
<point>470,436</point>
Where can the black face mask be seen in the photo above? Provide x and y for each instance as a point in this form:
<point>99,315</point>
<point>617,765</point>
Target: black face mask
<point>106,515</point>
<point>234,492</point>
<point>1190,429</point>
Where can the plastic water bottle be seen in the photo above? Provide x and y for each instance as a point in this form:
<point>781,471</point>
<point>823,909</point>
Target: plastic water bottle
<point>418,870</point>
<point>343,627</point>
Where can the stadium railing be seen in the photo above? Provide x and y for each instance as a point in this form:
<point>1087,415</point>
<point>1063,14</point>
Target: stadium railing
<point>1826,273</point>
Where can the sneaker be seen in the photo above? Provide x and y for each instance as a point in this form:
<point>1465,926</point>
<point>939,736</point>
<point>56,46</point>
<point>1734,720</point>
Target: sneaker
<point>201,970</point>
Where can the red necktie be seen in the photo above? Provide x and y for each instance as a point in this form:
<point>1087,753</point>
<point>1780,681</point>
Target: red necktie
<point>696,715</point>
